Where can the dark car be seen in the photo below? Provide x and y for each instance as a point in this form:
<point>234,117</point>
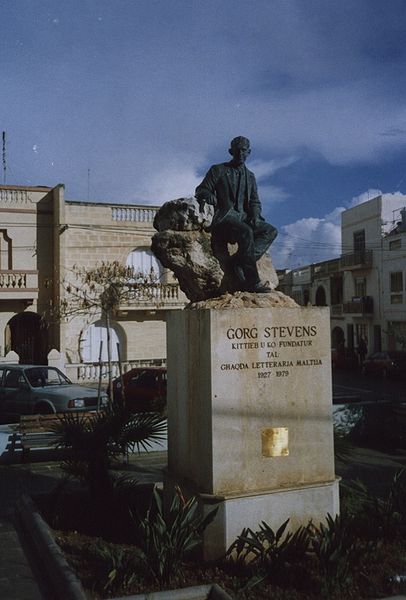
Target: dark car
<point>39,389</point>
<point>344,358</point>
<point>144,389</point>
<point>385,363</point>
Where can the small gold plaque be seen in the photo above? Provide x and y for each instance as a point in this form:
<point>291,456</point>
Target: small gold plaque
<point>275,441</point>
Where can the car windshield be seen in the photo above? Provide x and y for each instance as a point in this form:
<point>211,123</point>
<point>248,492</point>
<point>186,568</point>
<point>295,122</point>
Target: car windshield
<point>45,376</point>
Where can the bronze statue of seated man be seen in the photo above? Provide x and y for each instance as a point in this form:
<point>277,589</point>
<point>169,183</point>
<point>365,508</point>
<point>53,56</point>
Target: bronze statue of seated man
<point>231,188</point>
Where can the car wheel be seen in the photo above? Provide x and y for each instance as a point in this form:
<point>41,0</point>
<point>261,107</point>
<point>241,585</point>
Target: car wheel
<point>43,409</point>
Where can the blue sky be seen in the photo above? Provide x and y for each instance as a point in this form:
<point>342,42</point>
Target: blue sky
<point>144,95</point>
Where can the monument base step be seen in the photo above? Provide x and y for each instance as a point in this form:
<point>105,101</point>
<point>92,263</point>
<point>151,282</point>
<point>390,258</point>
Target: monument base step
<point>300,505</point>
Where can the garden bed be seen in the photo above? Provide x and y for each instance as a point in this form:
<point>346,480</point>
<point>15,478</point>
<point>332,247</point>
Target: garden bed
<point>108,566</point>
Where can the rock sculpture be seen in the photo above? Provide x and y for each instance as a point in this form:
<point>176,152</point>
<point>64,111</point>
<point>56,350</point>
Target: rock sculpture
<point>183,245</point>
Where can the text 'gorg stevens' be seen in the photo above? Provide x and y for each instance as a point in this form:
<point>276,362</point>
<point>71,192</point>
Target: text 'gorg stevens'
<point>273,340</point>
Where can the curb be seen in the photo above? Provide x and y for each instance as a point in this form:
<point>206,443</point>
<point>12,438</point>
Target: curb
<point>198,592</point>
<point>64,581</point>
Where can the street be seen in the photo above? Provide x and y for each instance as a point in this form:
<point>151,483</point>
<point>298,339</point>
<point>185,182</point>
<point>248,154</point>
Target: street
<point>352,385</point>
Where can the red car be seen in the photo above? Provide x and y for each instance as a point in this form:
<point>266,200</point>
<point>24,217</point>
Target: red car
<point>385,363</point>
<point>144,389</point>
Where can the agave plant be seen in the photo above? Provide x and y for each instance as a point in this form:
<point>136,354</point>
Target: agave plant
<point>268,551</point>
<point>170,536</point>
<point>379,517</point>
<point>338,551</point>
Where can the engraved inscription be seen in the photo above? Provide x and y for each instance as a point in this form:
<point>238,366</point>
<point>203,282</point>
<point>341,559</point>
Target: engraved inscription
<point>269,345</point>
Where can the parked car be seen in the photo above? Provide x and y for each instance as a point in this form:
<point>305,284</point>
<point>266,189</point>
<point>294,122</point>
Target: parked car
<point>38,389</point>
<point>385,363</point>
<point>144,389</point>
<point>344,359</point>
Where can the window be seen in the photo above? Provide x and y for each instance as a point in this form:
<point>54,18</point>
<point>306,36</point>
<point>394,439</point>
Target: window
<point>395,244</point>
<point>360,287</point>
<point>143,261</point>
<point>12,379</point>
<point>396,281</point>
<point>359,240</point>
<point>396,287</point>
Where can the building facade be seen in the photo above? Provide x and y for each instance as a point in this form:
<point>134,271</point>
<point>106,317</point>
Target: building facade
<point>42,237</point>
<point>365,286</point>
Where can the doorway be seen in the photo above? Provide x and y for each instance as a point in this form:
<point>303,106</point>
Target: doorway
<point>26,334</point>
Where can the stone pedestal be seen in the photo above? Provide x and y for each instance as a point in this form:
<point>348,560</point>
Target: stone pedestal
<point>250,416</point>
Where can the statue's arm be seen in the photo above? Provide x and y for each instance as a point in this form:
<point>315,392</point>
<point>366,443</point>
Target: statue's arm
<point>206,191</point>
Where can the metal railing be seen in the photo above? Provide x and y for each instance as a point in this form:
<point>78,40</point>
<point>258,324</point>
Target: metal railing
<point>336,310</point>
<point>360,259</point>
<point>325,269</point>
<point>359,306</point>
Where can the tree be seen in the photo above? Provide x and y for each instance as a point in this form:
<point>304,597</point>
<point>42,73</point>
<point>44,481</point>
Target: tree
<point>99,291</point>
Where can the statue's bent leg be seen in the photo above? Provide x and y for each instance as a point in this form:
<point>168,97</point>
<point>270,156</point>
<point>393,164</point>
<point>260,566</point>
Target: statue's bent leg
<point>242,263</point>
<point>264,235</point>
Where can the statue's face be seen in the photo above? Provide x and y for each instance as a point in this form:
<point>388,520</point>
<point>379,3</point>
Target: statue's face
<point>240,152</point>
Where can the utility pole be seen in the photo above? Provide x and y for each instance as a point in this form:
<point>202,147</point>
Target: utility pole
<point>88,184</point>
<point>4,158</point>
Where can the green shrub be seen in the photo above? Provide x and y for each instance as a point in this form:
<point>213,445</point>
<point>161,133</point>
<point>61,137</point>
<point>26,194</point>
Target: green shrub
<point>167,538</point>
<point>115,570</point>
<point>378,518</point>
<point>338,552</point>
<point>268,552</point>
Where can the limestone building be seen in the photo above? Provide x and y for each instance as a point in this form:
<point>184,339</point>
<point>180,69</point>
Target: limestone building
<point>366,286</point>
<point>42,236</point>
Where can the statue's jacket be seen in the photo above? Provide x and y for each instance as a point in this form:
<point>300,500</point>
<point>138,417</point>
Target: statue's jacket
<point>219,190</point>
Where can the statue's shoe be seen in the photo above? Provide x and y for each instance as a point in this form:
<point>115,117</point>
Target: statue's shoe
<point>261,288</point>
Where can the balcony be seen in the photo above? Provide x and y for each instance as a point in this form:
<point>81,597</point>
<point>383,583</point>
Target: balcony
<point>326,269</point>
<point>154,296</point>
<point>361,306</point>
<point>357,260</point>
<point>18,285</point>
<point>336,310</point>
<point>135,214</point>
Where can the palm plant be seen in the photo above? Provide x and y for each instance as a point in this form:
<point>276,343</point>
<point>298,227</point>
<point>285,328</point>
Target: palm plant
<point>95,441</point>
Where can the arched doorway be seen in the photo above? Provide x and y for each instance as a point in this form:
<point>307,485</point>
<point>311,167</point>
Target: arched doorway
<point>26,334</point>
<point>96,333</point>
<point>321,296</point>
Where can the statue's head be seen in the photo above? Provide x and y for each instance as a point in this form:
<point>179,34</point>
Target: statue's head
<point>240,149</point>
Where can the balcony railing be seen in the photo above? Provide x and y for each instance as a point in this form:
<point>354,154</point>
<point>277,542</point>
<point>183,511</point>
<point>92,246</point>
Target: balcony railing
<point>359,306</point>
<point>135,214</point>
<point>336,310</point>
<point>325,269</point>
<point>90,372</point>
<point>15,284</point>
<point>357,260</point>
<point>160,295</point>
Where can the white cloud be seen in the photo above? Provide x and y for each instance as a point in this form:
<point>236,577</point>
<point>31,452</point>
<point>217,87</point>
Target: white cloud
<point>313,239</point>
<point>266,168</point>
<point>306,241</point>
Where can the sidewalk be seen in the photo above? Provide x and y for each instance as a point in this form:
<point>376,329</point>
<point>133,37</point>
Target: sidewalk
<point>19,577</point>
